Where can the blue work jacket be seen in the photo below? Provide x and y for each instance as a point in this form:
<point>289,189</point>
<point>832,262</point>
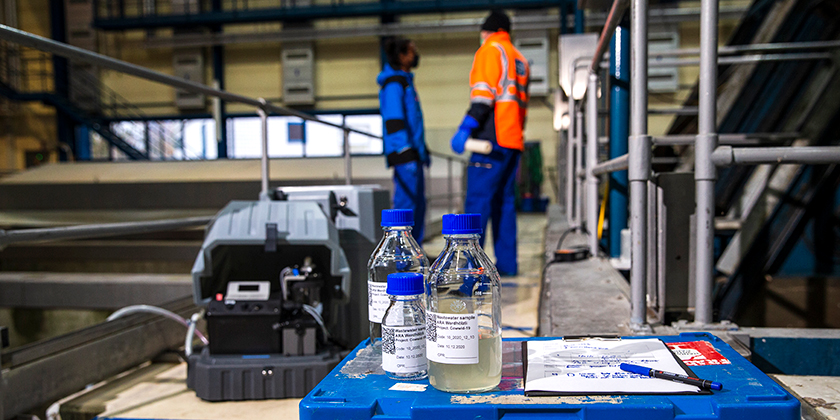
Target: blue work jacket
<point>402,118</point>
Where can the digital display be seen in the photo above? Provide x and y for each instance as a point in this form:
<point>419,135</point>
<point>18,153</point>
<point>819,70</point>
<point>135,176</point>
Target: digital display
<point>249,287</point>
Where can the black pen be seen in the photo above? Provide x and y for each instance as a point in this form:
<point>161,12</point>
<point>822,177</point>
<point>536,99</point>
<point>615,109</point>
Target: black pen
<point>653,373</point>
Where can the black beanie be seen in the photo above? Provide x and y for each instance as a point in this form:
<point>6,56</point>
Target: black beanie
<point>497,21</point>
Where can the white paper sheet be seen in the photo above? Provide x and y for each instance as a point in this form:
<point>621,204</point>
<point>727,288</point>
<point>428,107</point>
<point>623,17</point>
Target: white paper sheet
<point>592,367</point>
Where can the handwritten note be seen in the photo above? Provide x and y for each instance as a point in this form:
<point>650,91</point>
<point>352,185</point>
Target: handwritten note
<point>592,367</point>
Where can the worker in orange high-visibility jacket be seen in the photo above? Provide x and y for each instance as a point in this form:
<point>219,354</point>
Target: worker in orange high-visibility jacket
<point>498,107</point>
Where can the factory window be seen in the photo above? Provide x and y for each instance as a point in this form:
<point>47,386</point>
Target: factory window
<point>195,139</point>
<point>293,137</point>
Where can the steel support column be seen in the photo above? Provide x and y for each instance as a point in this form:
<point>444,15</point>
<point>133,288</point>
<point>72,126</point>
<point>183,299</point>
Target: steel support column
<point>218,52</point>
<point>65,127</point>
<point>705,172</point>
<point>264,160</point>
<point>619,131</point>
<point>580,19</point>
<point>578,219</point>
<point>591,161</point>
<point>639,161</point>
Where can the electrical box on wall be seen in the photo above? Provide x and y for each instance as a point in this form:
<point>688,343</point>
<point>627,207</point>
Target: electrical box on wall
<point>663,79</point>
<point>298,62</point>
<point>188,63</point>
<point>534,46</point>
<point>571,47</point>
<point>80,31</point>
<point>184,7</point>
<point>84,78</point>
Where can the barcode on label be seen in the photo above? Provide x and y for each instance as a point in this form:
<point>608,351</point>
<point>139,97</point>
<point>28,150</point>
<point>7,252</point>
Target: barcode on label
<point>431,327</point>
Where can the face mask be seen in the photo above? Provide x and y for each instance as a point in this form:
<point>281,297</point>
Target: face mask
<point>416,61</point>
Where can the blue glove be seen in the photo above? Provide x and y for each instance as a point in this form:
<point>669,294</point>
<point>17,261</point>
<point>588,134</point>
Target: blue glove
<point>460,138</point>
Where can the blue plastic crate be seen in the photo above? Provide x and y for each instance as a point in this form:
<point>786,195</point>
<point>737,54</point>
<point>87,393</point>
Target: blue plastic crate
<point>358,389</point>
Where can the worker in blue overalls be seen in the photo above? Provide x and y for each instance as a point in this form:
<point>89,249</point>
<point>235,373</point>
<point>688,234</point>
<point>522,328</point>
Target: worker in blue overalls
<point>404,137</point>
<point>498,106</point>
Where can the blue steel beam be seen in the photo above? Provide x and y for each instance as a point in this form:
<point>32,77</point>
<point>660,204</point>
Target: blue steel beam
<point>372,8</point>
<point>619,131</point>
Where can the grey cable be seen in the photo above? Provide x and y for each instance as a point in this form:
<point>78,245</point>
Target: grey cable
<point>312,311</point>
<point>129,310</point>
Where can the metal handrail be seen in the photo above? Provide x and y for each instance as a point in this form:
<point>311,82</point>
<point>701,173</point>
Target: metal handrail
<point>74,53</point>
<point>613,165</point>
<point>729,138</point>
<point>99,230</point>
<point>753,48</point>
<point>813,155</point>
<point>264,107</point>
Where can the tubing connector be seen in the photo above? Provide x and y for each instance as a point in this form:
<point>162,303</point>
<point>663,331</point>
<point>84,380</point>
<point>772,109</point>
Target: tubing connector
<point>723,156</point>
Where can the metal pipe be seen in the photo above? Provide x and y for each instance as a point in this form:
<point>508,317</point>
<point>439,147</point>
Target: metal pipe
<point>591,161</point>
<point>619,132</point>
<point>450,205</point>
<point>753,48</point>
<point>579,168</point>
<point>705,172</point>
<point>98,230</point>
<point>730,139</point>
<point>744,59</point>
<point>815,155</point>
<point>74,53</point>
<point>639,161</point>
<point>689,110</point>
<point>348,168</point>
<point>573,164</point>
<point>570,168</point>
<point>264,159</point>
<point>613,18</point>
<point>570,151</point>
<point>613,165</point>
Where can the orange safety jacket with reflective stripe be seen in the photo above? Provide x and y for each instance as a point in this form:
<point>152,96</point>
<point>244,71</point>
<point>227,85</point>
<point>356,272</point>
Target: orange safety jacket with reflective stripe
<point>499,78</point>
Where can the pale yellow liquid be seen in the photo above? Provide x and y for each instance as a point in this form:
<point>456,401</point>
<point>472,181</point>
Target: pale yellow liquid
<point>480,377</point>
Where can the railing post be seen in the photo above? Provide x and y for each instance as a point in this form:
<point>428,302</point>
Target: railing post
<point>348,170</point>
<point>449,184</point>
<point>591,161</point>
<point>578,220</point>
<point>639,162</point>
<point>264,163</point>
<point>570,155</point>
<point>705,172</point>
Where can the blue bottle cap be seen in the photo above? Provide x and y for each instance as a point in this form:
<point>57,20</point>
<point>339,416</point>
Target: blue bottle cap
<point>397,217</point>
<point>461,224</point>
<point>404,284</point>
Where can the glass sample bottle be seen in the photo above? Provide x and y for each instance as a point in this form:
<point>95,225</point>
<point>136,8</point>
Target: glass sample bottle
<point>463,312</point>
<point>397,252</point>
<point>404,329</point>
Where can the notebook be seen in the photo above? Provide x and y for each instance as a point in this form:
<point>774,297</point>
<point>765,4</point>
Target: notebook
<point>591,366</point>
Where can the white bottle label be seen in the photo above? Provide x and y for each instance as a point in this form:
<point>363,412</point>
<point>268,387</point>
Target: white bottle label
<point>377,301</point>
<point>404,349</point>
<point>452,338</point>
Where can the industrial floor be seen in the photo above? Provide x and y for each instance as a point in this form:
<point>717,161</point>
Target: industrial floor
<point>159,391</point>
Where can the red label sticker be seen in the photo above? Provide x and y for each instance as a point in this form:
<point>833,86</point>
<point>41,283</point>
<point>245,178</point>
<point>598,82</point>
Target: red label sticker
<point>698,353</point>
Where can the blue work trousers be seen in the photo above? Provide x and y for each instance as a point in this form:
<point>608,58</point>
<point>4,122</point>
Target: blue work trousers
<point>491,189</point>
<point>410,193</point>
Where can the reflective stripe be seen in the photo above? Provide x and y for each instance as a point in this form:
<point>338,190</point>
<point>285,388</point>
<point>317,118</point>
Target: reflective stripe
<point>512,98</point>
<point>485,87</point>
<point>521,88</point>
<point>505,63</point>
<point>481,100</point>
